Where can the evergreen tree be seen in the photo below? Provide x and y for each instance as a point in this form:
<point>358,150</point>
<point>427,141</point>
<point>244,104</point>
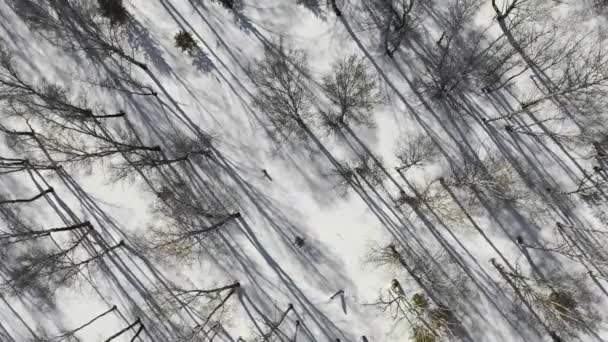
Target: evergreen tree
<point>114,10</point>
<point>185,42</point>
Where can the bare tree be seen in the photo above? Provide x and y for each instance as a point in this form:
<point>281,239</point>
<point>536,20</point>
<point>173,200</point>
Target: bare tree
<point>79,25</point>
<point>70,335</point>
<point>463,58</point>
<point>187,221</point>
<point>45,97</point>
<point>281,94</point>
<point>76,143</point>
<point>42,269</point>
<point>10,165</point>
<point>430,197</point>
<point>9,238</point>
<point>434,272</point>
<point>401,21</point>
<point>274,326</point>
<point>361,172</point>
<point>494,177</point>
<point>416,152</point>
<point>577,80</point>
<point>573,243</point>
<point>353,92</point>
<point>427,321</point>
<point>135,323</point>
<point>209,304</point>
<point>561,303</point>
<point>183,148</point>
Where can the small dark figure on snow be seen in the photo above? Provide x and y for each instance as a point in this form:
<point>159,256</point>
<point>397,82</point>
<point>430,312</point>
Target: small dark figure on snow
<point>266,175</point>
<point>519,240</point>
<point>509,128</point>
<point>299,241</point>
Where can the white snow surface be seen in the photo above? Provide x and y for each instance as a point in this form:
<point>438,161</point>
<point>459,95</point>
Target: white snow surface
<point>214,93</point>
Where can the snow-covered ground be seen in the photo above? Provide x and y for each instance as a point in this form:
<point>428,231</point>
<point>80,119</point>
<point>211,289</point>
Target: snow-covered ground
<point>211,91</point>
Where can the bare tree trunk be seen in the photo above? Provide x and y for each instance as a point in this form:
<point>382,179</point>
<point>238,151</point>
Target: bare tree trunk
<point>131,326</point>
<point>276,326</point>
<point>26,200</point>
<point>75,330</point>
<point>500,17</point>
<point>46,232</point>
<point>232,291</point>
<point>141,328</point>
<point>335,8</point>
<point>216,225</point>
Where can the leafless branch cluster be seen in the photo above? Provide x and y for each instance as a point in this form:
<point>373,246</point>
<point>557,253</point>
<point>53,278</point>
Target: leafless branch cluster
<point>562,302</point>
<point>463,59</point>
<point>280,94</point>
<point>430,197</point>
<point>187,221</point>
<point>362,172</point>
<point>416,152</point>
<point>352,90</point>
<point>78,25</point>
<point>43,269</point>
<point>23,95</point>
<point>434,271</point>
<point>579,244</point>
<point>208,305</point>
<point>427,321</point>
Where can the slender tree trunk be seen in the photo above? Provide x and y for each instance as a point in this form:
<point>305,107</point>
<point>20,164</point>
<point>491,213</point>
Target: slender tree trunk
<point>130,59</point>
<point>218,289</point>
<point>217,307</point>
<point>131,326</point>
<point>106,116</point>
<point>500,17</point>
<point>26,200</point>
<point>295,333</point>
<point>91,321</point>
<point>141,328</point>
<point>276,326</point>
<point>216,225</point>
<point>101,255</point>
<point>46,232</point>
